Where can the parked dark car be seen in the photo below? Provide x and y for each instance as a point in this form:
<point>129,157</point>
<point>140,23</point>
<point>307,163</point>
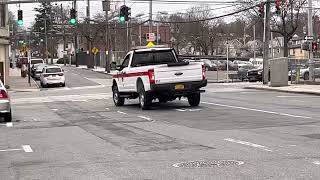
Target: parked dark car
<point>243,71</point>
<point>255,75</point>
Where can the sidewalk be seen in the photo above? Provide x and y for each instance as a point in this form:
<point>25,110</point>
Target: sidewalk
<point>18,83</point>
<point>291,88</point>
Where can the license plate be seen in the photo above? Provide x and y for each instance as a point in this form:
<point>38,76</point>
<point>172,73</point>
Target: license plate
<point>179,87</point>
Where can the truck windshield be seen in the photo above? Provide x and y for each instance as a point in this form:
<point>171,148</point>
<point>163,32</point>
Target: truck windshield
<point>152,58</point>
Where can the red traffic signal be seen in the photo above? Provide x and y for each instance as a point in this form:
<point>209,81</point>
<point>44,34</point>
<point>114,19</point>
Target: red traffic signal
<point>314,46</point>
<point>261,9</point>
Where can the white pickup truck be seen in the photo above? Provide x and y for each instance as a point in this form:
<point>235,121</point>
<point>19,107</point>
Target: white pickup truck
<point>156,73</point>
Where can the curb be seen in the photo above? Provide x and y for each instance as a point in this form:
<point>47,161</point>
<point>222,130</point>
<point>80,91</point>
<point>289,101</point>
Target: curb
<point>285,91</point>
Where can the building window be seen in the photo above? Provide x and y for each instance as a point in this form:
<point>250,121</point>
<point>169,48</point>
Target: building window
<point>2,15</point>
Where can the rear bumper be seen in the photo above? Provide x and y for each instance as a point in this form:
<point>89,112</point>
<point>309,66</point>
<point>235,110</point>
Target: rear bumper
<point>189,87</point>
<point>5,106</point>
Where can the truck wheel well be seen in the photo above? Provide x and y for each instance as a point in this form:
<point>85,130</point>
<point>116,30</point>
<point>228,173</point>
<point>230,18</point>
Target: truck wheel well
<point>114,83</point>
<point>139,80</point>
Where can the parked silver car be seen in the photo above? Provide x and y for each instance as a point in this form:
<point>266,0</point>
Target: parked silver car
<point>5,107</point>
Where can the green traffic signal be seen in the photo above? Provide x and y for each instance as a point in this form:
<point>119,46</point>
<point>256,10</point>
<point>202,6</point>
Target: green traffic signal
<point>122,19</point>
<point>20,22</point>
<point>73,21</point>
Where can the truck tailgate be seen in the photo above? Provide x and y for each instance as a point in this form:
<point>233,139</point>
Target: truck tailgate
<point>191,72</point>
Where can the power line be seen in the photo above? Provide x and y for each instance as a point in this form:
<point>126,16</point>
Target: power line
<point>208,19</point>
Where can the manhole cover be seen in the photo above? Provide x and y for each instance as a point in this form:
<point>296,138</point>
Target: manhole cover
<point>207,164</point>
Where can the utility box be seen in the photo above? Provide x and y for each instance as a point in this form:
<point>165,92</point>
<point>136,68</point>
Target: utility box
<point>279,72</point>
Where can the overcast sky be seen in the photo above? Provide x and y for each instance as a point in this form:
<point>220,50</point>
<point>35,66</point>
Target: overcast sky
<point>96,7</point>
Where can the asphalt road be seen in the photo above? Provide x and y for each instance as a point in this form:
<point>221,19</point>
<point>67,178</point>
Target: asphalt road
<point>77,133</point>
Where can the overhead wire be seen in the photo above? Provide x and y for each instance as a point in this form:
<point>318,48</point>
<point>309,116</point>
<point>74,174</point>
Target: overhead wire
<point>207,19</point>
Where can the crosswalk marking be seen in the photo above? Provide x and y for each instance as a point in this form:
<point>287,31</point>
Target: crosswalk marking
<point>46,99</point>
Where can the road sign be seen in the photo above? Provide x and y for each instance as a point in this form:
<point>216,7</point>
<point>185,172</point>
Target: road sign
<point>95,50</point>
<point>150,44</point>
<point>308,38</point>
<point>151,37</point>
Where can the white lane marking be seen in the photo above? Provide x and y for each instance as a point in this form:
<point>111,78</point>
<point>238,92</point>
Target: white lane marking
<point>257,110</point>
<point>190,110</point>
<point>316,162</point>
<point>193,110</point>
<point>9,124</point>
<point>146,118</point>
<point>46,99</point>
<point>121,112</point>
<point>107,109</point>
<point>25,148</point>
<point>298,96</point>
<point>248,144</point>
<point>54,109</point>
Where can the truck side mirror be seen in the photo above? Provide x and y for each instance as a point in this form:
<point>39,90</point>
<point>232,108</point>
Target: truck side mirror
<point>113,66</point>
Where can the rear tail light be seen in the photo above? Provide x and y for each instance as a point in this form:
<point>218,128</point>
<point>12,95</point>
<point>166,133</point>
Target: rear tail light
<point>204,75</point>
<point>3,94</point>
<point>151,76</point>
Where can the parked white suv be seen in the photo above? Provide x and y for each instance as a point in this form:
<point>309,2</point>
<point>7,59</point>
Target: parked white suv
<point>52,75</point>
<point>156,73</point>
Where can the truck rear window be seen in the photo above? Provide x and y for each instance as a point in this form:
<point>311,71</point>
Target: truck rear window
<point>153,58</point>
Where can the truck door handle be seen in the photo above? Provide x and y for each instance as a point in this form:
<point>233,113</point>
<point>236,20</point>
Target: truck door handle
<point>178,73</point>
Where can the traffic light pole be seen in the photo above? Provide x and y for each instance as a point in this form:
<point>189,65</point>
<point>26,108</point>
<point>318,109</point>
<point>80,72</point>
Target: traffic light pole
<point>108,44</point>
<point>150,17</point>
<point>46,39</point>
<point>266,40</point>
<point>310,34</point>
<point>76,37</point>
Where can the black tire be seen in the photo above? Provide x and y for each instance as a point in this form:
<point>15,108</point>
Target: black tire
<point>306,76</point>
<point>42,85</point>
<point>144,98</point>
<point>63,85</point>
<point>117,100</point>
<point>8,117</point>
<point>194,99</point>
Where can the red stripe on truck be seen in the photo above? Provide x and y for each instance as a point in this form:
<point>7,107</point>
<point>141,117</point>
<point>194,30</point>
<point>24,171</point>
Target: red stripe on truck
<point>130,74</point>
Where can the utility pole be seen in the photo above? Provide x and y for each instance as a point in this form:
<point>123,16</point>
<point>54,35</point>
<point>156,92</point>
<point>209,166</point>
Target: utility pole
<point>227,60</point>
<point>266,40</point>
<point>310,33</point>
<point>64,35</point>
<point>127,41</point>
<point>254,44</point>
<point>76,36</point>
<point>108,42</point>
<point>89,63</point>
<point>271,44</point>
<point>157,34</point>
<point>46,39</point>
<point>140,38</point>
<point>150,17</point>
<point>51,34</point>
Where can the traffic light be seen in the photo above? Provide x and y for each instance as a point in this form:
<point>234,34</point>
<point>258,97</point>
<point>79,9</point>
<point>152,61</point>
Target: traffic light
<point>278,8</point>
<point>122,17</point>
<point>314,46</point>
<point>73,17</point>
<point>261,9</point>
<point>20,18</point>
<point>125,13</point>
